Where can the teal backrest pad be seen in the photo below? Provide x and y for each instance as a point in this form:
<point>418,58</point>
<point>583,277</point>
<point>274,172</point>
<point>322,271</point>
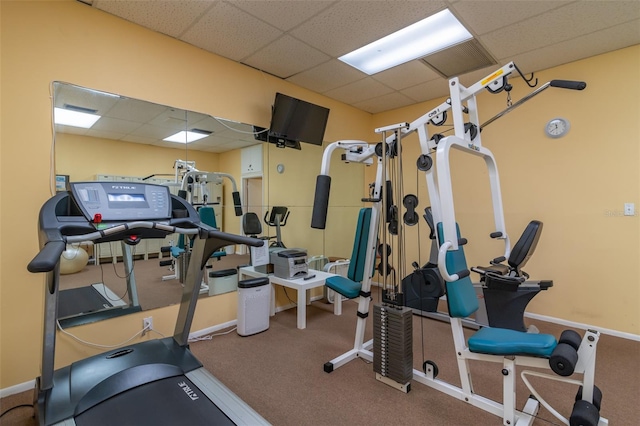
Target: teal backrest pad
<point>461,296</point>
<point>359,253</point>
<point>207,216</point>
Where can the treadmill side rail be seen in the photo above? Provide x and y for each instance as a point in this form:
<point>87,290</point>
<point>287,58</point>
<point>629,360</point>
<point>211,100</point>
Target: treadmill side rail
<point>235,408</point>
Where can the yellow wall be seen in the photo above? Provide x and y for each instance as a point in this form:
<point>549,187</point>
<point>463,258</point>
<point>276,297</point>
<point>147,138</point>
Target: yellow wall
<point>569,184</point>
<point>82,157</point>
<point>576,186</point>
<point>68,41</point>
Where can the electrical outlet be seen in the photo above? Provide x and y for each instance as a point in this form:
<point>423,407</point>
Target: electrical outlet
<point>147,325</point>
<point>629,209</point>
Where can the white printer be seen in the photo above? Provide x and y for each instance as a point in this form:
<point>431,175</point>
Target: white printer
<point>289,264</point>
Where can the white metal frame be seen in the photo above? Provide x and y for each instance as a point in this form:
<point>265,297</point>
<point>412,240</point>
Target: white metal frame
<point>359,152</point>
<point>463,100</point>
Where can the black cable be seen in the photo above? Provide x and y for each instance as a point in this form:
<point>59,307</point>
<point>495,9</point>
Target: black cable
<point>420,287</point>
<point>546,420</point>
<point>287,294</point>
<point>133,264</point>
<point>126,291</point>
<point>13,408</point>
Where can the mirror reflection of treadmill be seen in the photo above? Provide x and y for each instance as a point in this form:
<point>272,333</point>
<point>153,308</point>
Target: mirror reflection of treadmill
<point>96,302</point>
<point>91,303</point>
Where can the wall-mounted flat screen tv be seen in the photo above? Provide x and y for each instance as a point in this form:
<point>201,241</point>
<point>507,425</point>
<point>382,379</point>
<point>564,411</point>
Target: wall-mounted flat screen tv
<point>298,120</point>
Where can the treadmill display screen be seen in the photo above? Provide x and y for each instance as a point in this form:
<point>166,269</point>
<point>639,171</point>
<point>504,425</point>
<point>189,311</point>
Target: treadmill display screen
<point>117,202</point>
<point>126,197</point>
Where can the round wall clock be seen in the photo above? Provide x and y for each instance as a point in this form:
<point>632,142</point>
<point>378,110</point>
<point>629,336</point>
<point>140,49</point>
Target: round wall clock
<point>557,127</point>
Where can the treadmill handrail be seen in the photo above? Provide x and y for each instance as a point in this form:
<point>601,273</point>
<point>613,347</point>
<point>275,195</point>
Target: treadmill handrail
<point>49,255</point>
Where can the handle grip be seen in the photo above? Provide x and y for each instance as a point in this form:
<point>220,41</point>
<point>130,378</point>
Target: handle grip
<point>569,84</point>
<point>47,258</point>
<point>442,254</point>
<point>321,202</point>
<point>463,273</point>
<point>236,239</point>
<point>236,203</point>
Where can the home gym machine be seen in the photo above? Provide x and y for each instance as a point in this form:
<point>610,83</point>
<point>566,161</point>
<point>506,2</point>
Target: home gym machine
<point>357,284</point>
<point>571,357</point>
<point>193,187</point>
<point>155,382</point>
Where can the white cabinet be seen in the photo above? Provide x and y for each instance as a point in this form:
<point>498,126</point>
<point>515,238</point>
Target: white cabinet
<point>251,160</point>
<point>103,178</point>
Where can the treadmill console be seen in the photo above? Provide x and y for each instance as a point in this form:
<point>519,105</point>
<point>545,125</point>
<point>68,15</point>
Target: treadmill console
<point>118,202</point>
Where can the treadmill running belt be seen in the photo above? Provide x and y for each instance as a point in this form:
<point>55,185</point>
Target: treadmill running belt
<point>172,401</point>
<point>80,300</point>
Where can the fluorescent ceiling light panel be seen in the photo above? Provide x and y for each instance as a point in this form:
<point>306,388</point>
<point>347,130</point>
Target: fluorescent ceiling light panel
<point>437,32</point>
<point>74,118</point>
<point>185,136</point>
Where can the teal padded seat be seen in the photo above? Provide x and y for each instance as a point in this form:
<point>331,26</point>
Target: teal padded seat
<point>344,286</point>
<point>351,285</point>
<point>502,341</point>
<point>176,251</point>
<point>463,301</point>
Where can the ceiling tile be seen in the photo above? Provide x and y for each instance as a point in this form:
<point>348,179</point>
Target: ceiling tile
<point>426,91</point>
<point>565,23</point>
<point>136,110</point>
<point>286,57</point>
<point>115,125</point>
<point>165,16</point>
<point>348,25</point>
<point>603,41</point>
<point>384,103</point>
<point>480,16</point>
<point>406,75</point>
<point>283,15</point>
<point>360,90</point>
<point>152,131</point>
<point>327,76</point>
<point>230,32</point>
<point>85,99</point>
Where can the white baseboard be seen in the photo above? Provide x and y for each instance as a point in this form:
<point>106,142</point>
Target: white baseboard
<point>582,326</point>
<point>209,330</point>
<point>22,387</point>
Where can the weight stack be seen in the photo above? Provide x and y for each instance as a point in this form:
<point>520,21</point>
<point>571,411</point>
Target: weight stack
<point>393,345</point>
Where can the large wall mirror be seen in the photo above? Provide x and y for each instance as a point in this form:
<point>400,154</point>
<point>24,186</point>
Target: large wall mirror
<point>139,141</point>
<point>130,141</point>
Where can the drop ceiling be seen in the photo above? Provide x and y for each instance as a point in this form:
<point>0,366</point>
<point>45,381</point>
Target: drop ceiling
<point>300,41</point>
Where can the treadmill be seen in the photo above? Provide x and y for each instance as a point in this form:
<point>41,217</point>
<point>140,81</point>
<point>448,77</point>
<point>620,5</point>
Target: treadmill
<point>155,382</point>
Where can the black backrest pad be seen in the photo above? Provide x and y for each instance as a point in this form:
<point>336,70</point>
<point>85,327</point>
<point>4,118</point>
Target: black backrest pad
<point>251,224</point>
<point>526,245</point>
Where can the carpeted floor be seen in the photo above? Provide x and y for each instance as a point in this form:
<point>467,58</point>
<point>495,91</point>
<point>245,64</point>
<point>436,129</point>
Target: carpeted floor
<point>153,292</point>
<point>280,374</point>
